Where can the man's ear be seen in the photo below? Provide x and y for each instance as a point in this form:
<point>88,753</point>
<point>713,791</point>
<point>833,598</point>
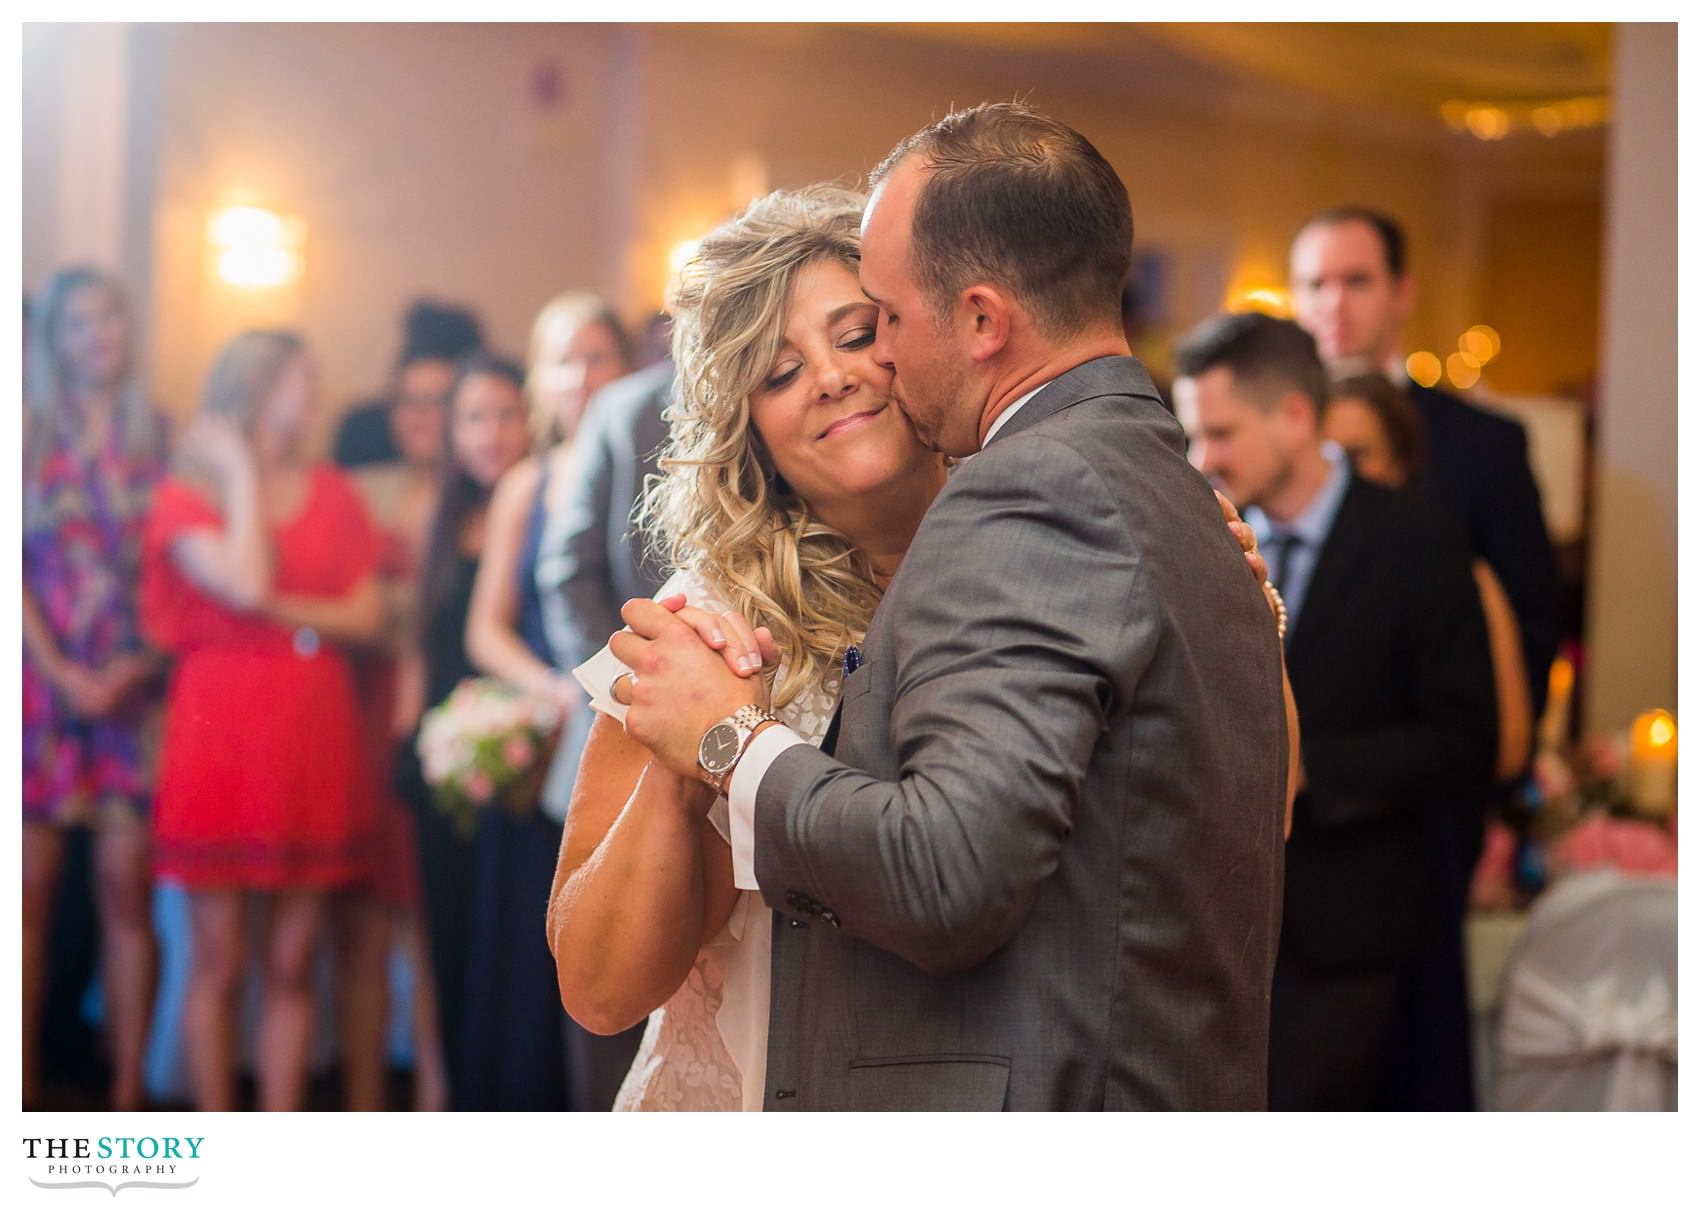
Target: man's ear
<point>985,315</point>
<point>1299,412</point>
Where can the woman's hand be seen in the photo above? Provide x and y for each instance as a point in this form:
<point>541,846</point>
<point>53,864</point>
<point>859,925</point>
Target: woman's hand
<point>219,443</point>
<point>84,690</point>
<point>1245,537</point>
<point>747,651</point>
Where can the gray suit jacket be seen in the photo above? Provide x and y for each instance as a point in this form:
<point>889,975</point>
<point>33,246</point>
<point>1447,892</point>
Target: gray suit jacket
<point>1044,868</point>
<point>590,558</point>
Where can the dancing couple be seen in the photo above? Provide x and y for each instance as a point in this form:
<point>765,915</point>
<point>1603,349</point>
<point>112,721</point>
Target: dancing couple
<point>929,781</point>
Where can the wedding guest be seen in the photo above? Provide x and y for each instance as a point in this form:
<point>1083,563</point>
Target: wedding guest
<point>578,347</point>
<point>435,337</point>
<point>1389,660</point>
<point>93,453</point>
<point>1353,290</point>
<point>467,881</point>
<point>258,566</point>
<point>1371,420</point>
<point>1375,424</point>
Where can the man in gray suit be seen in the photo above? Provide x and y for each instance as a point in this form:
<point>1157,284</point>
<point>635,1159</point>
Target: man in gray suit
<point>1042,866</point>
<point>591,559</point>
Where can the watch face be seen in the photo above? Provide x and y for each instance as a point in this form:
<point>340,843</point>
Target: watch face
<point>719,749</point>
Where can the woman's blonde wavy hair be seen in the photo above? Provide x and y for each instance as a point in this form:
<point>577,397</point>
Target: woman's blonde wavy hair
<point>719,506</point>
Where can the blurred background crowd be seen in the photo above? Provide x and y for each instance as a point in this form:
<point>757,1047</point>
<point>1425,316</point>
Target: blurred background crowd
<point>345,352</point>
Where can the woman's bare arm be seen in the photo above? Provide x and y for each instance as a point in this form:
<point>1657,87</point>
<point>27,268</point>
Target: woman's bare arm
<point>643,881</point>
<point>1510,675</point>
<point>492,637</point>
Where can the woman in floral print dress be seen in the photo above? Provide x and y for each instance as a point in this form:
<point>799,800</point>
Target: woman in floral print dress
<point>93,451</point>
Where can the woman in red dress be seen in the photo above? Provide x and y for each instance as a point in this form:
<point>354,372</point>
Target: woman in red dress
<point>257,566</point>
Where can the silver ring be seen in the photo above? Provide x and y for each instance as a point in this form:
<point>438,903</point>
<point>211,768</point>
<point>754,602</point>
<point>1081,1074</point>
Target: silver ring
<point>614,683</point>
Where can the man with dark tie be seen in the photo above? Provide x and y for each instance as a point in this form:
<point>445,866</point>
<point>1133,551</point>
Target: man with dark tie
<point>1388,656</point>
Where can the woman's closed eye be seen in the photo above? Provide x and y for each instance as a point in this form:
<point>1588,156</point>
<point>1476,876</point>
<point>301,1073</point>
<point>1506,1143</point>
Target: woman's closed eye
<point>858,338</point>
<point>782,377</point>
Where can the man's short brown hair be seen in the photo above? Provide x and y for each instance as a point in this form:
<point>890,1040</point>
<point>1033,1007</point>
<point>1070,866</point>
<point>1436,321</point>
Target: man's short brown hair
<point>1267,357</point>
<point>1021,200</point>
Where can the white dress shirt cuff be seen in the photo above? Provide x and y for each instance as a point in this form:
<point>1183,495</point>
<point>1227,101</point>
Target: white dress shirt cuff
<point>769,744</point>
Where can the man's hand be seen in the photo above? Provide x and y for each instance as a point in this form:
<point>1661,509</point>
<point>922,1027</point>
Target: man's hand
<point>1245,537</point>
<point>682,686</point>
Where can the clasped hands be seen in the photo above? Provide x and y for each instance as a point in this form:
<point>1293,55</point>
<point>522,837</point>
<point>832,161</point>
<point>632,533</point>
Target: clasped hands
<point>691,669</point>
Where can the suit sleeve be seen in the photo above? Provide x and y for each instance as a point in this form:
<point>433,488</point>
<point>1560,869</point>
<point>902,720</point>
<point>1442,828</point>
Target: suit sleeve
<point>1022,623</point>
<point>1511,535</point>
<point>1445,745</point>
<point>573,575</point>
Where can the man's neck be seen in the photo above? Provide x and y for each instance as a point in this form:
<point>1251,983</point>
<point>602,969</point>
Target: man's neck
<point>1042,364</point>
<point>1309,476</point>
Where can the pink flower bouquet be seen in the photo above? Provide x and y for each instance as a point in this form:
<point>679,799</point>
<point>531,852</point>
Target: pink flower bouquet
<point>486,744</point>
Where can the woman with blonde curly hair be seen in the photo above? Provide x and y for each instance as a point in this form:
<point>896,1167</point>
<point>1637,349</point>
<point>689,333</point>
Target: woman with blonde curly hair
<point>792,487</point>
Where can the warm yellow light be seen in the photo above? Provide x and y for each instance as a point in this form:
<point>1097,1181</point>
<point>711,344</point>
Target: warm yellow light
<point>680,255</point>
<point>1456,114</point>
<point>247,226</point>
<point>257,247</point>
<point>256,266</point>
<point>1424,368</point>
<point>1270,300</point>
<point>1561,679</point>
<point>1480,337</point>
<point>1652,762</point>
<point>1548,121</point>
<point>1488,122</point>
<point>1476,346</point>
<point>1462,371</point>
<point>1589,111</point>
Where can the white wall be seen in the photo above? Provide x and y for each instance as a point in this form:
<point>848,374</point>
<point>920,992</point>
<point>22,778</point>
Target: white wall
<point>1632,565</point>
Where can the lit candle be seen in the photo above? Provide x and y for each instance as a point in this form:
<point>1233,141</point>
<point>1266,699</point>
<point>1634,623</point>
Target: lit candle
<point>1652,763</point>
<point>1555,726</point>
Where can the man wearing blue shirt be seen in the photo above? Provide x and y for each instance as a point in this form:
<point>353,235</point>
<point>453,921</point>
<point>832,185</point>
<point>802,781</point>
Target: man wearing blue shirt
<point>1387,652</point>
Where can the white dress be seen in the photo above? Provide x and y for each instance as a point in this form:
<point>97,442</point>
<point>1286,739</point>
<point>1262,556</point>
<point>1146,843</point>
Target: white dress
<point>706,1049</point>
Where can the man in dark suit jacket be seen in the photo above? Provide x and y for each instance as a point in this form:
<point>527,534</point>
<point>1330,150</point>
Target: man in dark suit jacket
<point>1353,291</point>
<point>1041,869</point>
<point>1388,655</point>
<point>590,559</point>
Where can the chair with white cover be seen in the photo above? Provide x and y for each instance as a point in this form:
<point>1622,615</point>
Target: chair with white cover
<point>1588,1016</point>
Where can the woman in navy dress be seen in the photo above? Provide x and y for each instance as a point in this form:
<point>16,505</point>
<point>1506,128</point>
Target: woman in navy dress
<point>526,1052</point>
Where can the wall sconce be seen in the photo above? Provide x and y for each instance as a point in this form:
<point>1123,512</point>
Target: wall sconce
<point>1268,299</point>
<point>256,247</point>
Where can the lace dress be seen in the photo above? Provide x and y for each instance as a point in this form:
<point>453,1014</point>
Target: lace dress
<point>706,1049</point>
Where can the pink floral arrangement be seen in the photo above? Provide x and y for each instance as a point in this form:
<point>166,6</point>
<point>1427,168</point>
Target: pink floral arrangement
<point>486,744</point>
<point>1601,840</point>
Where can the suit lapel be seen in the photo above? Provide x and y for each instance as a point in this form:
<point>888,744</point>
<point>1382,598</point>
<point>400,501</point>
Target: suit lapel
<point>1332,579</point>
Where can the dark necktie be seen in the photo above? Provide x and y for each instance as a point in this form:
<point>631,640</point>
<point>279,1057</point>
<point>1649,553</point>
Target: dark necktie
<point>1281,546</point>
